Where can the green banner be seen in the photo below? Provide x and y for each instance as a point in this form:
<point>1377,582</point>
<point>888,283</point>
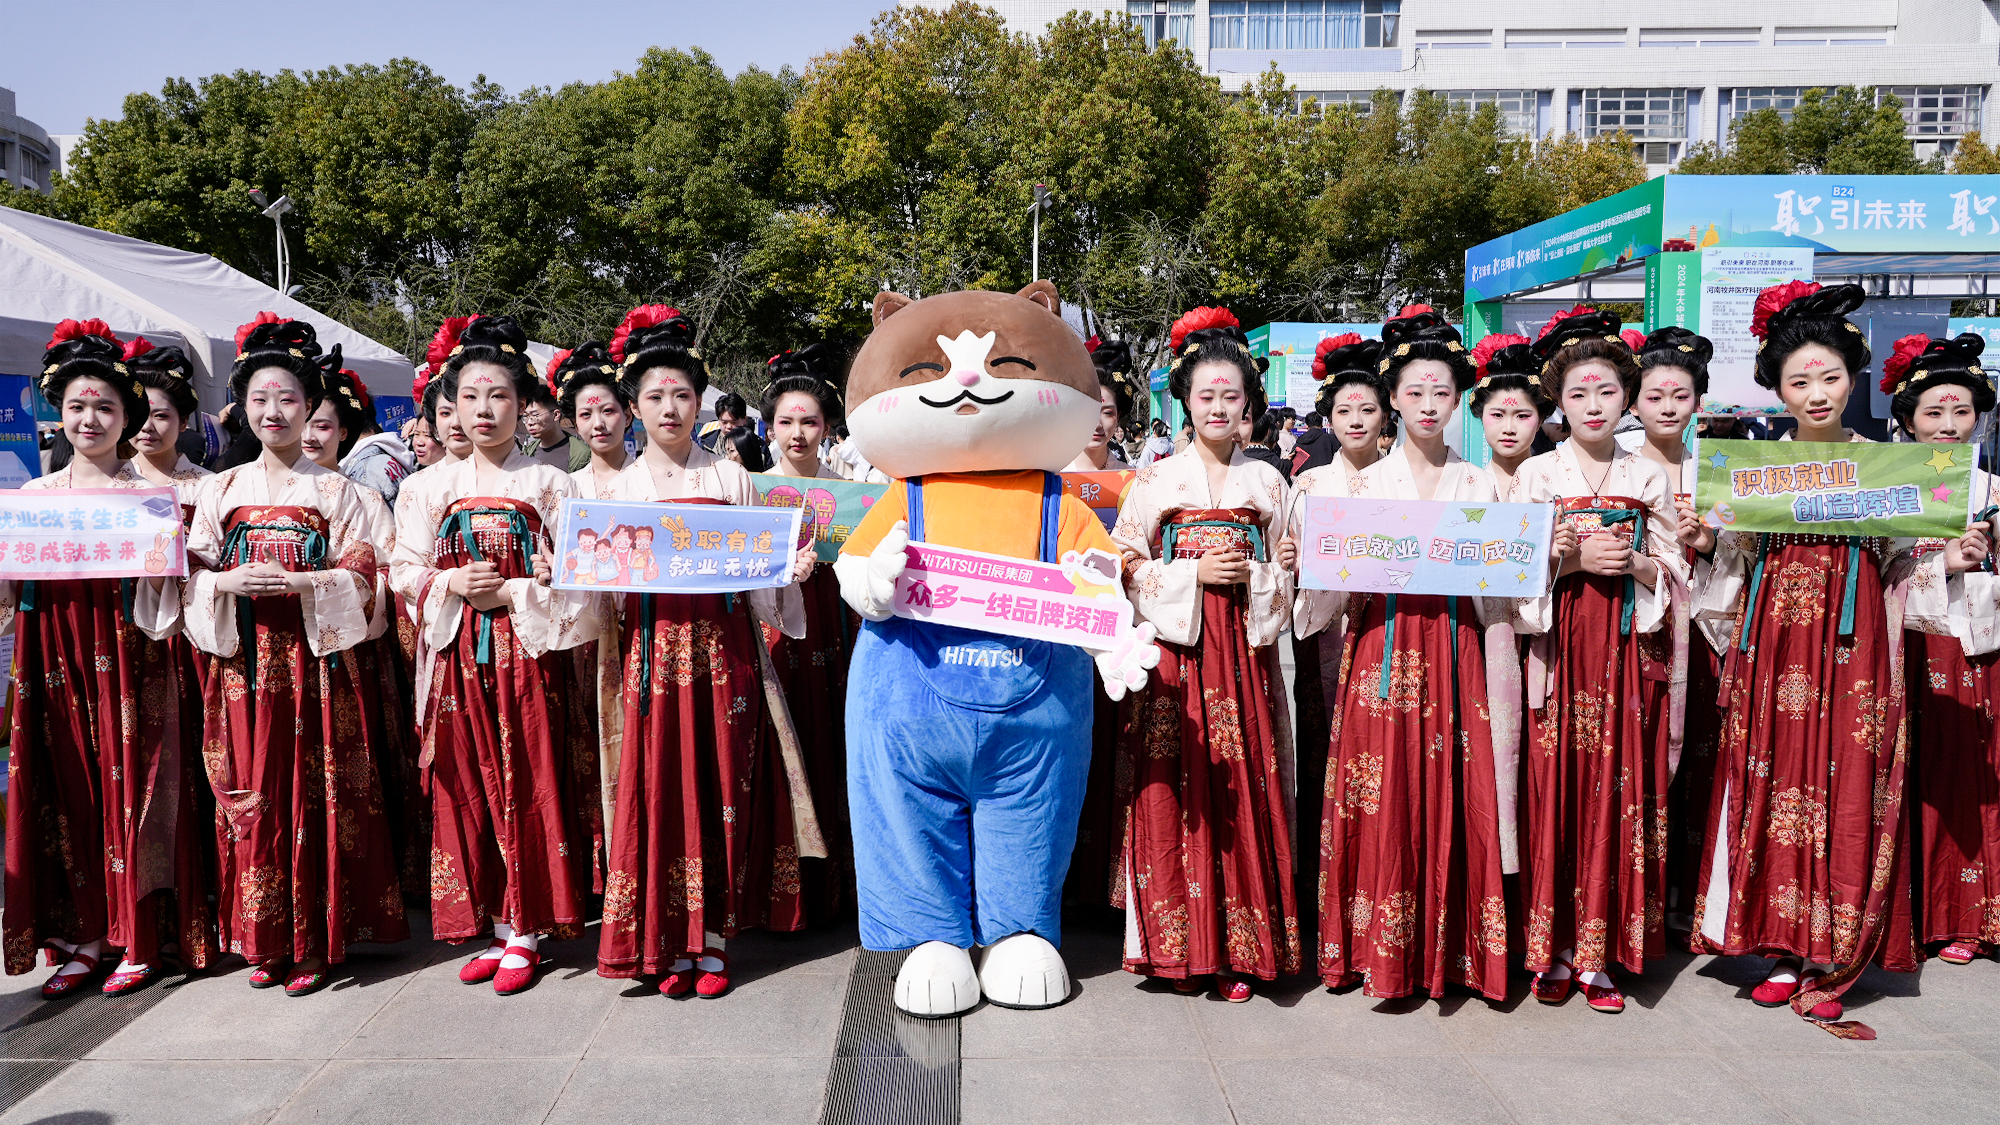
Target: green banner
<point>1834,488</point>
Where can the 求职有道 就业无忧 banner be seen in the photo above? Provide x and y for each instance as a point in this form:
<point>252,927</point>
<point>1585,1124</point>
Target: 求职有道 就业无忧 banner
<point>644,547</point>
<point>1834,488</point>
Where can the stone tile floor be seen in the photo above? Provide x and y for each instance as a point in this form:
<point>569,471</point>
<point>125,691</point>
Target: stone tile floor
<point>398,1039</point>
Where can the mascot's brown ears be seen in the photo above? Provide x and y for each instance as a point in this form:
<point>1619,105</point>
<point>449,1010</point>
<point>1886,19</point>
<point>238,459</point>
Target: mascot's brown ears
<point>1041,292</point>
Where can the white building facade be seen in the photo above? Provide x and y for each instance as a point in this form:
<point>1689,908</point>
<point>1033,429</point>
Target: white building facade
<point>1670,75</point>
<point>28,158</point>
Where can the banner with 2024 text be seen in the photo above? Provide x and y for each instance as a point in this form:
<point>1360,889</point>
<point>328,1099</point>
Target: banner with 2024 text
<point>91,533</point>
<point>1487,550</point>
<point>1834,488</point>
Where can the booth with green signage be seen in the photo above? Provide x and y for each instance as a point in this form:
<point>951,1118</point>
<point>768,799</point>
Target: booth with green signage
<point>1696,250</point>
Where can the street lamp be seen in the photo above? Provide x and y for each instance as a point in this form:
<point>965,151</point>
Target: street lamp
<point>1035,209</point>
<point>276,212</point>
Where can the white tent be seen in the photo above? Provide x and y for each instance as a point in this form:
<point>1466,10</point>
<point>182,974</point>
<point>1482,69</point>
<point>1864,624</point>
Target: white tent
<point>52,271</point>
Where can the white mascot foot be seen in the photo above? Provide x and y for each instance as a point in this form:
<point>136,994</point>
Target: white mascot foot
<point>936,981</point>
<point>1024,971</point>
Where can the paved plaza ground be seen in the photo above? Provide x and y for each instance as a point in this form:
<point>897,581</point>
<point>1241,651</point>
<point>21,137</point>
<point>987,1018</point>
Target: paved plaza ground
<point>398,1039</point>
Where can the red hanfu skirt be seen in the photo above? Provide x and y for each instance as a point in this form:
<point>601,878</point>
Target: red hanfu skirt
<point>1808,796</point>
<point>1956,782</point>
<point>512,768</point>
<point>1207,855</point>
<point>107,829</point>
<point>702,837</point>
<point>1410,888</point>
<point>1594,787</point>
<point>813,673</point>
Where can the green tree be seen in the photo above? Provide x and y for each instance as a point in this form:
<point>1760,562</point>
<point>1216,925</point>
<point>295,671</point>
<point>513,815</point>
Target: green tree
<point>1541,180</point>
<point>1842,132</point>
<point>1974,158</point>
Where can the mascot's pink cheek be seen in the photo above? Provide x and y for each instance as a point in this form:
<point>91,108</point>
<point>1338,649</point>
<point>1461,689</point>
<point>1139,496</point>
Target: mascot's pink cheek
<point>885,404</point>
<point>1047,398</point>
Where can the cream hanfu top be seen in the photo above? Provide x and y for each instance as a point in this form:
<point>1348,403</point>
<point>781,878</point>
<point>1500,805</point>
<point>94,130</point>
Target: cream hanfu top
<point>1966,605</point>
<point>544,619</point>
<point>338,610</point>
<point>1167,593</point>
<point>1315,612</point>
<point>156,613</point>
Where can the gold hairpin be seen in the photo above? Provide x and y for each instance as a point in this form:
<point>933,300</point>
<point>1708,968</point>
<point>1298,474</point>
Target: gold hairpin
<point>1402,349</point>
<point>51,368</point>
<point>120,368</point>
<point>296,352</point>
<point>509,349</point>
<point>1687,348</point>
<point>1454,346</point>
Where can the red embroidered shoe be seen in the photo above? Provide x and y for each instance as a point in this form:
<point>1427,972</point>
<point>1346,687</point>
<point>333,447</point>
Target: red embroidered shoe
<point>1961,952</point>
<point>65,984</point>
<point>1604,999</point>
<point>1187,986</point>
<point>1826,1011</point>
<point>678,983</point>
<point>271,974</point>
<point>480,969</point>
<point>1775,993</point>
<point>1236,990</point>
<point>308,979</point>
<point>711,985</point>
<point>507,981</point>
<point>1553,991</point>
<point>130,980</point>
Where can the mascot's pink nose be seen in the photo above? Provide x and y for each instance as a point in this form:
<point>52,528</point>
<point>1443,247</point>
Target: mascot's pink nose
<point>966,378</point>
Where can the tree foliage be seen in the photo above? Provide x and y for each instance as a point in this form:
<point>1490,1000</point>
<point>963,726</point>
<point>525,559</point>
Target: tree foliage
<point>1837,133</point>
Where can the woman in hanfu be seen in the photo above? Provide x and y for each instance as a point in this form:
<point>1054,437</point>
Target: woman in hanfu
<point>1941,395</point>
<point>1410,861</point>
<point>590,394</point>
<point>1511,406</point>
<point>1673,377</point>
<point>800,403</point>
<point>1804,857</point>
<point>507,751</point>
<point>281,588</point>
<point>1206,875</point>
<point>705,841</point>
<point>1093,862</point>
<point>1599,667</point>
<point>107,845</point>
<point>336,424</point>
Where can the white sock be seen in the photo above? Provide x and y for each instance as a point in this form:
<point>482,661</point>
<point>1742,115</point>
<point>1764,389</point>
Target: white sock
<point>713,941</point>
<point>129,967</point>
<point>1785,973</point>
<point>682,966</point>
<point>517,946</point>
<point>1559,966</point>
<point>498,946</point>
<point>90,949</point>
<point>1596,980</point>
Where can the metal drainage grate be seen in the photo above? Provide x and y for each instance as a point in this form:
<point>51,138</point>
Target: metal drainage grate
<point>889,1068</point>
<point>51,1036</point>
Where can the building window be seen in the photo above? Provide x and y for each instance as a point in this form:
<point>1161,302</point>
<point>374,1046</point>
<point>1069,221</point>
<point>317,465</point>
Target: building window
<point>1360,101</point>
<point>1452,40</point>
<point>34,167</point>
<point>1641,113</point>
<point>1302,25</point>
<point>1700,37</point>
<point>1832,37</point>
<point>1750,99</point>
<point>1950,111</point>
<point>1555,39</point>
<point>1163,19</point>
<point>1517,107</point>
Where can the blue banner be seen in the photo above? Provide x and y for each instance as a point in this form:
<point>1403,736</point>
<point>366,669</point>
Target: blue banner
<point>648,548</point>
<point>20,450</point>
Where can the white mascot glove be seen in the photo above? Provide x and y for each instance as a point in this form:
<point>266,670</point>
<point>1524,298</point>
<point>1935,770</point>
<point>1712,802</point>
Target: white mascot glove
<point>1123,666</point>
<point>868,585</point>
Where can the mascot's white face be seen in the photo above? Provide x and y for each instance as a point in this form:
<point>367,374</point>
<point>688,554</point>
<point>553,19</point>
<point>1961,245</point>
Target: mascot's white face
<point>970,382</point>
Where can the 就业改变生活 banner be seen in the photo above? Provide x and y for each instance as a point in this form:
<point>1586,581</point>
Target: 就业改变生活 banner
<point>1835,488</point>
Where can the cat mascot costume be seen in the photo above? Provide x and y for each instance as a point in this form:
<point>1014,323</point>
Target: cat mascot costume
<point>967,751</point>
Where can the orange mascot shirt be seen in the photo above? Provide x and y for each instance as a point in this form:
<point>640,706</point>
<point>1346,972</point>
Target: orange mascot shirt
<point>999,513</point>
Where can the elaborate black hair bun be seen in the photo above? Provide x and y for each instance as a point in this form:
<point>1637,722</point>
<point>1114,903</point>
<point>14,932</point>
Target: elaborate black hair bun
<point>1677,339</point>
<point>498,332</point>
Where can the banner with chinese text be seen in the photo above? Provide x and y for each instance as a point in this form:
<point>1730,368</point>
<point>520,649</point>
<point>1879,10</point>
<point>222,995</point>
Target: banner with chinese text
<point>1834,488</point>
<point>1100,492</point>
<point>830,509</point>
<point>650,548</point>
<point>1425,547</point>
<point>1078,601</point>
<point>50,534</point>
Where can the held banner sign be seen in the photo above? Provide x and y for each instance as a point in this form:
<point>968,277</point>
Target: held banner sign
<point>91,533</point>
<point>1834,488</point>
<point>1075,602</point>
<point>641,547</point>
<point>1101,492</point>
<point>1487,550</point>
<point>831,509</point>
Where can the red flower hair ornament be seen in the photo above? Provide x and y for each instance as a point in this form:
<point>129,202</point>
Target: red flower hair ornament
<point>77,329</point>
<point>1634,339</point>
<point>1580,310</point>
<point>1326,346</point>
<point>1197,319</point>
<point>1413,310</point>
<point>1484,349</point>
<point>243,333</point>
<point>138,347</point>
<point>645,316</point>
<point>1898,362</point>
<point>1775,298</point>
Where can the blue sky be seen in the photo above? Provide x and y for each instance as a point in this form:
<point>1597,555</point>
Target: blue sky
<point>68,60</point>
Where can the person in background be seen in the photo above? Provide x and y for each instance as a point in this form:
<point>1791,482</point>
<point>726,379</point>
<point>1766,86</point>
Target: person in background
<point>551,444</point>
<point>731,413</point>
<point>747,450</point>
<point>1157,446</point>
<point>1262,441</point>
<point>422,444</point>
<point>1287,440</point>
<point>368,456</point>
<point>1319,446</point>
